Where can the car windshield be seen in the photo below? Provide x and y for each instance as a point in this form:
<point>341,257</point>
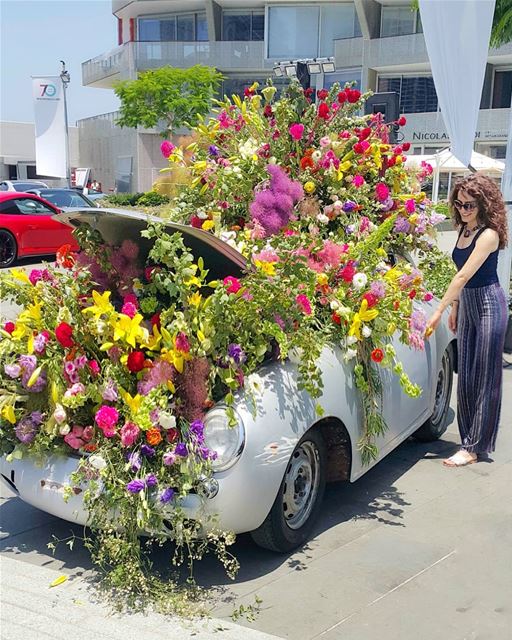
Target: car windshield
<point>23,186</point>
<point>65,198</point>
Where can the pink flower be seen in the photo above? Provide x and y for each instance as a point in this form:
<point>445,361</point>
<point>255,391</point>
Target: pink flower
<point>233,284</point>
<point>296,131</point>
<point>364,225</point>
<point>182,343</point>
<point>78,436</point>
<point>35,275</point>
<point>94,367</point>
<point>106,418</point>
<point>428,296</point>
<point>129,434</point>
<point>167,148</point>
<point>410,205</point>
<point>303,301</point>
<point>382,192</point>
<point>358,181</point>
<point>267,255</point>
<point>129,309</point>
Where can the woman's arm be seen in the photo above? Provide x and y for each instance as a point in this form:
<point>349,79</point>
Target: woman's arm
<point>485,245</point>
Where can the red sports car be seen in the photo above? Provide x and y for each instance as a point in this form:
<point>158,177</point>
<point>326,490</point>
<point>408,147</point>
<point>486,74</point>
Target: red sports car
<point>27,228</point>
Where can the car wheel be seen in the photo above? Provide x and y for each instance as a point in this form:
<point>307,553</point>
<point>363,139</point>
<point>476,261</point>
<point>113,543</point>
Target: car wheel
<point>8,248</point>
<point>436,425</point>
<point>298,502</point>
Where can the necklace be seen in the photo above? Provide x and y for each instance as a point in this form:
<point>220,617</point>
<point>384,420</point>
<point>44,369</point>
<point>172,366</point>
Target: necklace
<point>468,232</point>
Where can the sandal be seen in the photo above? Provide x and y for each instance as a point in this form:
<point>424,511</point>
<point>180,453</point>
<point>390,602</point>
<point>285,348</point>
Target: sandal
<point>460,459</point>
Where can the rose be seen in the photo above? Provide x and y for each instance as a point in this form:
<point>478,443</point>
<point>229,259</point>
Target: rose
<point>233,284</point>
<point>167,148</point>
<point>323,111</point>
<point>377,355</point>
<point>296,131</point>
<point>353,95</point>
<point>63,333</point>
<point>322,94</point>
<point>153,437</point>
<point>402,121</point>
<point>106,418</point>
<point>9,327</point>
<point>371,299</point>
<point>342,97</point>
<point>135,361</point>
<point>382,192</point>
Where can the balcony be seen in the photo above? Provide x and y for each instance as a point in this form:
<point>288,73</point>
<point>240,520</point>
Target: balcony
<point>125,61</point>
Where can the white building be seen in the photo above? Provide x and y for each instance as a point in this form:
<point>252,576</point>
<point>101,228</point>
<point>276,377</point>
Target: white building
<point>377,43</point>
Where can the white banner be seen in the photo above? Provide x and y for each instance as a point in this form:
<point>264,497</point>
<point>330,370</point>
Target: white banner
<point>50,126</point>
<point>457,36</point>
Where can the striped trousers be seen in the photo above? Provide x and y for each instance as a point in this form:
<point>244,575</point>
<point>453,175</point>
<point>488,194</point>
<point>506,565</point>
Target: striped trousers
<point>481,327</point>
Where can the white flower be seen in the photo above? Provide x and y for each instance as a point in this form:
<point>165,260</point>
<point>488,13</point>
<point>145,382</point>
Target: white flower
<point>248,148</point>
<point>366,331</point>
<point>64,429</point>
<point>97,462</point>
<point>59,415</point>
<point>334,304</point>
<point>316,155</point>
<point>349,354</point>
<point>351,340</point>
<point>338,204</point>
<point>322,218</point>
<point>295,355</point>
<point>201,214</point>
<point>166,420</point>
<point>359,281</point>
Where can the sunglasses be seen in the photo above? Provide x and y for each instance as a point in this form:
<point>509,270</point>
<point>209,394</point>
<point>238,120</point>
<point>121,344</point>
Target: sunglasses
<point>467,206</point>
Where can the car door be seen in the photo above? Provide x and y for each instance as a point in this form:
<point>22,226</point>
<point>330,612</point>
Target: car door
<point>40,234</point>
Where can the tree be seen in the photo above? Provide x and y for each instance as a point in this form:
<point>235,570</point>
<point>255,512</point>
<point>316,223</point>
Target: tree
<point>175,96</point>
<point>502,23</point>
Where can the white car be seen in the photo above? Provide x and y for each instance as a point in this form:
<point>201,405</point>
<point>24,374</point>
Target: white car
<point>22,185</point>
<point>272,467</point>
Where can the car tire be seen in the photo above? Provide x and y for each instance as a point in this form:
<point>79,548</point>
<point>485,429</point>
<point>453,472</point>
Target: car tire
<point>299,499</point>
<point>436,425</point>
<point>8,248</point>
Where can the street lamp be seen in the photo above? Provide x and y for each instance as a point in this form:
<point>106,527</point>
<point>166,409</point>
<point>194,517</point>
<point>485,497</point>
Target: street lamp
<point>66,79</point>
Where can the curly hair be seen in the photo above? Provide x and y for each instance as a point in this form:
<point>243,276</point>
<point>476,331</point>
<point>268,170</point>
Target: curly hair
<point>491,207</point>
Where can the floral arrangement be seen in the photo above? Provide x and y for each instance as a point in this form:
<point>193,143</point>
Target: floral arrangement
<point>118,360</point>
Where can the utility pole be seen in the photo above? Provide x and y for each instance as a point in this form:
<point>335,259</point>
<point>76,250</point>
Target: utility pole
<point>66,79</point>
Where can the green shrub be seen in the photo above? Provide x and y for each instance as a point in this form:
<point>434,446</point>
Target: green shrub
<point>152,199</point>
<point>148,199</point>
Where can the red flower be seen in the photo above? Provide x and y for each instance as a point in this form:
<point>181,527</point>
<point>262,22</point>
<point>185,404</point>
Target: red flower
<point>171,435</point>
<point>135,361</point>
<point>347,273</point>
<point>309,92</point>
<point>322,94</point>
<point>412,294</point>
<point>353,95</point>
<point>335,318</point>
<point>406,146</point>
<point>342,97</point>
<point>364,133</point>
<point>391,161</point>
<point>233,284</point>
<point>63,333</point>
<point>371,299</point>
<point>377,355</point>
<point>94,367</point>
<point>65,257</point>
<point>306,162</point>
<point>196,222</point>
<point>9,327</point>
<point>267,111</point>
<point>402,121</point>
<point>155,320</point>
<point>323,111</point>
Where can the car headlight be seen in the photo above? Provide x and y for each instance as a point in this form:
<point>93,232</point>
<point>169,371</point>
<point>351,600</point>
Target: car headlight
<point>226,440</point>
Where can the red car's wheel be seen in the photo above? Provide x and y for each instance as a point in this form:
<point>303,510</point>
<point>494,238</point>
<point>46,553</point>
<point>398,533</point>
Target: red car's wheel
<point>8,248</point>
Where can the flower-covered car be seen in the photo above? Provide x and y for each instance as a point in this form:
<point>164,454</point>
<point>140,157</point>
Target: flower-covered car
<point>274,449</point>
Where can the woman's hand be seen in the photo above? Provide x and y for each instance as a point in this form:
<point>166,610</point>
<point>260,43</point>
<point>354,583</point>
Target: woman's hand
<point>452,318</point>
<point>433,323</point>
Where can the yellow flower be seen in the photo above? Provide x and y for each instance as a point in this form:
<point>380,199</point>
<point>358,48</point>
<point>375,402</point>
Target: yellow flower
<point>132,402</point>
<point>268,268</point>
<point>382,252</point>
<point>195,299</point>
<point>309,187</point>
<point>269,93</point>
<point>393,274</point>
<point>200,165</point>
<point>322,279</point>
<point>363,315</point>
<point>255,85</point>
<point>256,102</point>
<point>153,340</point>
<point>8,414</point>
<point>101,306</point>
<point>208,224</point>
<point>128,329</point>
<point>19,274</point>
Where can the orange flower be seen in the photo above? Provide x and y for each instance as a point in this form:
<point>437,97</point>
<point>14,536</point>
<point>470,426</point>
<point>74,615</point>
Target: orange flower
<point>65,257</point>
<point>153,437</point>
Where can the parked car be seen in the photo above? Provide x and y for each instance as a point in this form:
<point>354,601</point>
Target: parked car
<point>22,185</point>
<point>272,466</point>
<point>63,198</point>
<point>92,194</point>
<point>28,227</point>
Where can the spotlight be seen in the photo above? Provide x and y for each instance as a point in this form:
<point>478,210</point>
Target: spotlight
<point>278,71</point>
<point>290,69</point>
<point>328,66</point>
<point>314,66</point>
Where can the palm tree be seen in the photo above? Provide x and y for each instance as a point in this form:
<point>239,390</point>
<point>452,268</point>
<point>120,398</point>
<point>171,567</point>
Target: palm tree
<point>502,23</point>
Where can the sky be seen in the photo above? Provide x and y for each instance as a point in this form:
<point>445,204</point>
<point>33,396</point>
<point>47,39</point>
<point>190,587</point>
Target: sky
<point>35,35</point>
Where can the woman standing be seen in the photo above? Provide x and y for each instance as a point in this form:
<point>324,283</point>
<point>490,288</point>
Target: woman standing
<point>478,314</point>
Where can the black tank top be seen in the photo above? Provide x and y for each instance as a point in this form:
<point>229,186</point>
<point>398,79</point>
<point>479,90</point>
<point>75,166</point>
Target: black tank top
<point>487,274</point>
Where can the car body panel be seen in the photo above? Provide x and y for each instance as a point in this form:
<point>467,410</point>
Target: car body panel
<point>275,412</point>
<point>38,233</point>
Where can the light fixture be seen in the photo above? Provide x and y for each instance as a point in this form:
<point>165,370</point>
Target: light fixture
<point>290,69</point>
<point>314,66</point>
<point>278,71</point>
<point>328,65</point>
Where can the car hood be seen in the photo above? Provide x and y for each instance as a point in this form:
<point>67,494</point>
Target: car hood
<point>116,225</point>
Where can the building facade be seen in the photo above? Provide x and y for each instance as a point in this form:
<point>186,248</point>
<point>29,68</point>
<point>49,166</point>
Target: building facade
<point>379,44</point>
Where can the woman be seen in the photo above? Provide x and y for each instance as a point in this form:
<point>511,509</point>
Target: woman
<point>478,314</point>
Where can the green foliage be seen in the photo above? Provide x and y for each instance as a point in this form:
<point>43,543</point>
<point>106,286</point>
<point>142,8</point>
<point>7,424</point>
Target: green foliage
<point>175,96</point>
<point>148,199</point>
<point>438,270</point>
<point>152,199</point>
<point>502,23</point>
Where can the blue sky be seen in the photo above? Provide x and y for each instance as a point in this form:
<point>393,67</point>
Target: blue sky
<point>35,35</point>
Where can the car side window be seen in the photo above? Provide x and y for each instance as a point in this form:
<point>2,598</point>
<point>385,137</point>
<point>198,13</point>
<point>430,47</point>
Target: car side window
<point>8,207</point>
<point>4,186</point>
<point>33,207</point>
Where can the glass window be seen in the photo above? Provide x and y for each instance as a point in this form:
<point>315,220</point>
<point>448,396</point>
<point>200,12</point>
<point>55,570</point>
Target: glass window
<point>293,32</point>
<point>417,93</point>
<point>185,28</point>
<point>397,21</point>
<point>502,91</point>
<point>149,29</point>
<point>336,23</point>
<point>201,28</point>
<point>348,75</point>
<point>33,207</point>
<point>236,27</point>
<point>258,26</point>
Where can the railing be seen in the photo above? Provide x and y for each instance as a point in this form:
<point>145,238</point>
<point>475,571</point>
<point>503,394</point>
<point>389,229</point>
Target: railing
<point>106,65</point>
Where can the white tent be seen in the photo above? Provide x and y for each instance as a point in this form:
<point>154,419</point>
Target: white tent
<point>446,162</point>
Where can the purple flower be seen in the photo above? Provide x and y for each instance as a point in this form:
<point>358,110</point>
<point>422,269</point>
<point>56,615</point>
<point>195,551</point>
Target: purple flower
<point>12,370</point>
<point>135,486</point>
<point>40,342</point>
<point>402,225</point>
<point>151,480</point>
<point>35,275</point>
<point>169,458</point>
<point>196,429</point>
<point>378,289</point>
<point>207,454</point>
<point>167,495</point>
<point>349,206</point>
<point>213,150</point>
<point>110,392</point>
<point>418,321</point>
<point>134,461</point>
<point>27,428</point>
<point>236,352</point>
<point>181,450</point>
<point>147,451</point>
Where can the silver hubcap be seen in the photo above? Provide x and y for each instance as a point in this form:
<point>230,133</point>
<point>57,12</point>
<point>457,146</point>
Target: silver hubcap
<point>301,484</point>
<point>441,391</point>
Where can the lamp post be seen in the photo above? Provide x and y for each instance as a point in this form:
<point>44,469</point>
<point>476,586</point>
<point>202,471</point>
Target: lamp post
<point>66,79</point>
